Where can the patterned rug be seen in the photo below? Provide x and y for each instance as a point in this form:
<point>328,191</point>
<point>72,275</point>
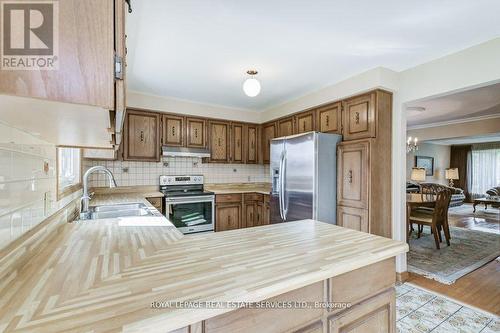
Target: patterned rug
<point>469,250</point>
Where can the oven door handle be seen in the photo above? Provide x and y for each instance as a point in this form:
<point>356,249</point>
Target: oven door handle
<point>181,200</point>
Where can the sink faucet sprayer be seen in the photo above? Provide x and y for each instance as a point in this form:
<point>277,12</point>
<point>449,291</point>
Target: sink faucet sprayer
<point>84,212</point>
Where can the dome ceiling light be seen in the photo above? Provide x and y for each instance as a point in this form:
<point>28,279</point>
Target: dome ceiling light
<point>251,86</point>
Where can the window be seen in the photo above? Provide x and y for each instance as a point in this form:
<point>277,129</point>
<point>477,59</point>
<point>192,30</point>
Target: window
<point>69,171</point>
<point>485,168</point>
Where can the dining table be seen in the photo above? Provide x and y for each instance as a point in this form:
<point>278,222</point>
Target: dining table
<point>416,200</point>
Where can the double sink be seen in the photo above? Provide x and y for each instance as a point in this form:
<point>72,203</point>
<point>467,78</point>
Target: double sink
<point>119,210</point>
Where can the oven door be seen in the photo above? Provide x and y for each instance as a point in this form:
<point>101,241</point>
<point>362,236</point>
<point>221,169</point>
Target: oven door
<point>191,214</point>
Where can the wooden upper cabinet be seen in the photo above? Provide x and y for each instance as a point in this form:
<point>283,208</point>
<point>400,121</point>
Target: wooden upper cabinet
<point>330,118</point>
<point>359,117</point>
<point>252,146</point>
<point>237,151</point>
<point>286,126</point>
<point>196,129</point>
<point>173,130</point>
<point>219,141</point>
<point>142,136</point>
<point>305,122</point>
<point>85,57</point>
<point>353,174</point>
<point>268,133</point>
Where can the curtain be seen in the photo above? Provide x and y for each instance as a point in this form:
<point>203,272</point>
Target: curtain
<point>461,158</point>
<point>486,166</point>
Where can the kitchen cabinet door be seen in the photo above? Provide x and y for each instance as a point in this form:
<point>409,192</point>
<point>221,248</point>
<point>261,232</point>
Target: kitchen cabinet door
<point>173,130</point>
<point>268,133</point>
<point>305,121</point>
<point>353,174</point>
<point>250,220</point>
<point>329,118</point>
<point>375,315</point>
<point>266,211</point>
<point>219,141</point>
<point>359,119</point>
<point>251,140</point>
<point>237,151</point>
<point>84,61</point>
<point>286,126</point>
<point>259,211</point>
<point>353,218</point>
<point>196,132</point>
<point>227,217</point>
<point>142,136</point>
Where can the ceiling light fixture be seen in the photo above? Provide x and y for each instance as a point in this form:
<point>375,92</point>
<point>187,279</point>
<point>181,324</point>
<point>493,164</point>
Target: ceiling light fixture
<point>251,86</point>
<point>415,108</point>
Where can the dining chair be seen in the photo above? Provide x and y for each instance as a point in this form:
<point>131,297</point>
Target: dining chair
<point>437,220</point>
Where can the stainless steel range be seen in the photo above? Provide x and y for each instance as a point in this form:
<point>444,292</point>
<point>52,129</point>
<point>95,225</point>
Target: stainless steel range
<point>187,205</point>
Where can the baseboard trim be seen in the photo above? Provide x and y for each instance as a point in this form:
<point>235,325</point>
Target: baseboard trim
<point>402,277</point>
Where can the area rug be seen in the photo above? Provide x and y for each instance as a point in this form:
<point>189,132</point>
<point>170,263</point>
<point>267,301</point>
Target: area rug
<point>468,250</point>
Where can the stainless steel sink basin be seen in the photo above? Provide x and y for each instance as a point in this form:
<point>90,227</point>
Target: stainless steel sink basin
<point>127,206</point>
<point>122,210</point>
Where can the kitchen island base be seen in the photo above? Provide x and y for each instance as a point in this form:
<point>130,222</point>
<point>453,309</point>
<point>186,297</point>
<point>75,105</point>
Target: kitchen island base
<point>362,300</point>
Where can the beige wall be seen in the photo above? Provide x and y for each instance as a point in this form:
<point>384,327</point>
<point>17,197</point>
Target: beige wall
<point>441,154</point>
<point>165,104</point>
<point>27,192</point>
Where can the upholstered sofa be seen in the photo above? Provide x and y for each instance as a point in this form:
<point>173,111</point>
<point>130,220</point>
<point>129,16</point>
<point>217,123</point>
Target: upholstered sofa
<point>457,194</point>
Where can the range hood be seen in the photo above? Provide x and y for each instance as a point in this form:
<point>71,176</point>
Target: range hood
<point>185,152</point>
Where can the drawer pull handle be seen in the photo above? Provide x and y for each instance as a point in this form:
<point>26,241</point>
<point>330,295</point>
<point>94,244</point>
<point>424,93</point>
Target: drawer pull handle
<point>173,131</point>
<point>196,133</point>
<point>349,176</point>
<point>142,136</point>
<point>357,118</point>
<point>218,142</point>
<point>327,120</point>
<point>304,126</point>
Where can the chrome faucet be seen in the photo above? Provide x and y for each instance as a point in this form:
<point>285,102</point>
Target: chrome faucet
<point>84,212</point>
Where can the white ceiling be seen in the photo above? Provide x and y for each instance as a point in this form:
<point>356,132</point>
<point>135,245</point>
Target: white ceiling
<point>483,101</point>
<point>200,50</point>
<point>495,137</point>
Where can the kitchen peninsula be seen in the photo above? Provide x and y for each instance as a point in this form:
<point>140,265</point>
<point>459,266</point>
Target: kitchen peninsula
<point>106,275</point>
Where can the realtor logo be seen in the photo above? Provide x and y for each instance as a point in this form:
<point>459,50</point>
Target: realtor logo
<point>29,35</point>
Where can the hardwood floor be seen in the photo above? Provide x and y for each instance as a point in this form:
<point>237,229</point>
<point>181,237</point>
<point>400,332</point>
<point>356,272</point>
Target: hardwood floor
<point>480,288</point>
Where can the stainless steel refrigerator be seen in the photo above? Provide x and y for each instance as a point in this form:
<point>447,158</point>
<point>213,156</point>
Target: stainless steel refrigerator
<point>304,177</point>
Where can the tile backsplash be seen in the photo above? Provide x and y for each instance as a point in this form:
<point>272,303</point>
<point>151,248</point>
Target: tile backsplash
<point>148,173</point>
<point>27,191</point>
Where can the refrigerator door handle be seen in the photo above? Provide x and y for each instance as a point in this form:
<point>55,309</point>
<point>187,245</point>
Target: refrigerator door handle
<point>285,203</point>
<point>280,190</point>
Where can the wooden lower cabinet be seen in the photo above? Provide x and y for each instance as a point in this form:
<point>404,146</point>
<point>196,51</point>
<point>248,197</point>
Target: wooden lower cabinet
<point>272,320</point>
<point>353,218</point>
<point>368,294</point>
<point>228,217</point>
<point>157,203</point>
<point>375,315</point>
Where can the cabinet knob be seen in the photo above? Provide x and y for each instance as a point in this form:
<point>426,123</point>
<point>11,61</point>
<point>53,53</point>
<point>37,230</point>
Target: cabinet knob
<point>196,133</point>
<point>173,131</point>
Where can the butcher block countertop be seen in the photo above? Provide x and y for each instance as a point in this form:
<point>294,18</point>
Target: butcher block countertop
<point>262,188</point>
<point>104,275</point>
